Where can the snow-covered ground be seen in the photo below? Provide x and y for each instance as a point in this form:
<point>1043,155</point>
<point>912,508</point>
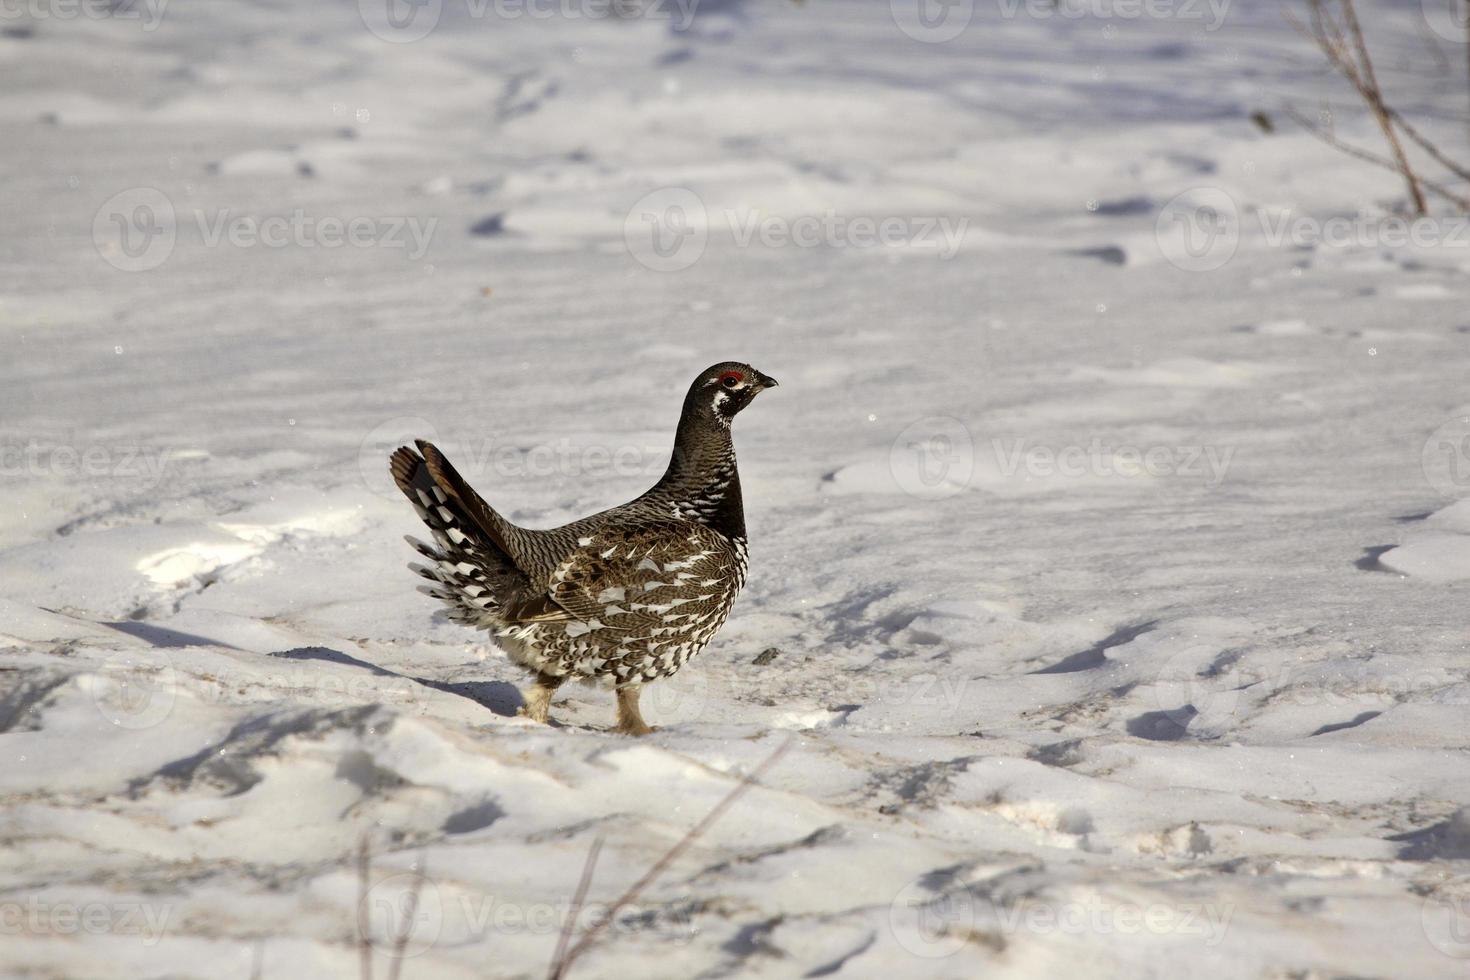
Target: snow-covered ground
<point>1110,521</point>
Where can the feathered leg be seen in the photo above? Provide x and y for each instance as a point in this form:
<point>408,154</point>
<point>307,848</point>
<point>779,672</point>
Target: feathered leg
<point>538,697</point>
<point>630,720</point>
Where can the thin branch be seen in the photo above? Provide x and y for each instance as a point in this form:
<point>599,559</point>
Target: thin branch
<point>577,900</point>
<point>1373,158</point>
<point>1356,65</point>
<point>1457,169</point>
<point>364,872</point>
<point>560,966</point>
<point>410,916</point>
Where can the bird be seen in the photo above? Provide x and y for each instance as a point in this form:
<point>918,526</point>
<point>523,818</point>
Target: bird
<point>629,594</point>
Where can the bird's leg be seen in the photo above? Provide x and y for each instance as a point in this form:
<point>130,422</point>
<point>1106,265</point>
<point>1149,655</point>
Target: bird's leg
<point>538,697</point>
<point>630,721</point>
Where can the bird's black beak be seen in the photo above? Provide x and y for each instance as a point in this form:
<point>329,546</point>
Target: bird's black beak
<point>766,381</point>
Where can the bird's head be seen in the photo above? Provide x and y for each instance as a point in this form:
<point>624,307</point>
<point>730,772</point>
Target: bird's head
<point>721,391</point>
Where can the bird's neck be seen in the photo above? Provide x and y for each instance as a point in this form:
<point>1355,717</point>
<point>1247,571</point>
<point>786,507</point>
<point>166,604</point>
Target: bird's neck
<point>702,482</point>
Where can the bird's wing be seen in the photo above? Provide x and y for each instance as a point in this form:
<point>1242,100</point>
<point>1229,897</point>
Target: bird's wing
<point>640,580</point>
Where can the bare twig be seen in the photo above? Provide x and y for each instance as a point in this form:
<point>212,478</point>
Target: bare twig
<point>1467,41</point>
<point>1353,151</point>
<point>578,898</point>
<point>1438,155</point>
<point>1348,53</point>
<point>560,965</point>
<point>408,922</point>
<point>364,874</point>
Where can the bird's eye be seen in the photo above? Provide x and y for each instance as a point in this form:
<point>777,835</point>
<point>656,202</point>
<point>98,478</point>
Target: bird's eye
<point>731,379</point>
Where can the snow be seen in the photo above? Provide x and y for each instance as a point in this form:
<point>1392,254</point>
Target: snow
<point>1116,577</point>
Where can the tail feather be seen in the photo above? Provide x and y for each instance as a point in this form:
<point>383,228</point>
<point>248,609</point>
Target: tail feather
<point>471,572</point>
<point>492,526</point>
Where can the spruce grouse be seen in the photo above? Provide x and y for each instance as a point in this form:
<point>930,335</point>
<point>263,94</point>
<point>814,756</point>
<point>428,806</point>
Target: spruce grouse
<point>630,594</point>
